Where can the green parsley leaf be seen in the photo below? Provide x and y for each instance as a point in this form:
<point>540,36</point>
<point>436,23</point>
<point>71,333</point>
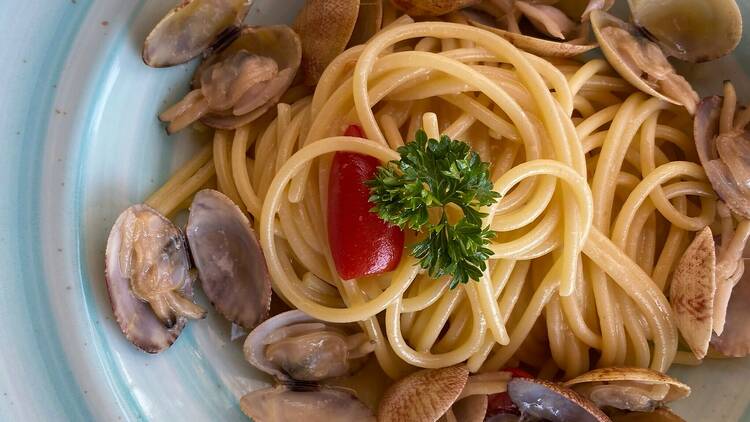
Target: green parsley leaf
<point>430,175</point>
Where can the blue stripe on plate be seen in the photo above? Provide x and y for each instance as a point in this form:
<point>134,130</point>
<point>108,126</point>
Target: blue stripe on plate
<point>56,30</point>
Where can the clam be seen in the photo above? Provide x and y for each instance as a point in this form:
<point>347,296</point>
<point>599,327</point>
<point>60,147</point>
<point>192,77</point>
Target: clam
<point>298,351</point>
<point>539,46</point>
<point>633,389</point>
<point>470,409</point>
<point>293,346</point>
<point>734,340</point>
<point>723,156</point>
<point>659,415</point>
<point>230,263</point>
<point>640,61</point>
<point>148,277</point>
<point>282,404</point>
<point>547,19</point>
<point>690,30</point>
<point>552,401</point>
<point>693,290</point>
<point>423,396</point>
<point>325,27</point>
<point>369,21</point>
<point>190,29</point>
<point>240,82</point>
<point>431,7</point>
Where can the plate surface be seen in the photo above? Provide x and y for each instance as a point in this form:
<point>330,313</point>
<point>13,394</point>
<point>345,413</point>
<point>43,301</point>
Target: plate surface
<point>80,142</point>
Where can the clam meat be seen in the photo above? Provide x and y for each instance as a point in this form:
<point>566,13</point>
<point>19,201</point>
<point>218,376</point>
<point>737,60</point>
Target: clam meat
<point>640,61</point>
<point>631,389</point>
<point>282,404</point>
<point>149,279</point>
<point>240,82</point>
<point>293,346</point>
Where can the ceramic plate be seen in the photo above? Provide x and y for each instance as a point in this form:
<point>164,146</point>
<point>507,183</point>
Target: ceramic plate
<point>80,142</point>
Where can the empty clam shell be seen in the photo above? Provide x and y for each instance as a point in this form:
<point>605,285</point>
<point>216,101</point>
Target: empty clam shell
<point>325,27</point>
<point>423,396</point>
<point>230,263</point>
<point>282,404</point>
<point>640,61</point>
<point>692,292</point>
<point>431,7</point>
<point>690,30</point>
<point>147,254</point>
<point>190,28</point>
<point>533,45</point>
<point>635,389</point>
<point>551,401</point>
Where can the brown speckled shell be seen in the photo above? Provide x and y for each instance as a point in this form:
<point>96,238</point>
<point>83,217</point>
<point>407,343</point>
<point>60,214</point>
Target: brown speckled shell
<point>692,292</point>
<point>677,390</point>
<point>423,396</point>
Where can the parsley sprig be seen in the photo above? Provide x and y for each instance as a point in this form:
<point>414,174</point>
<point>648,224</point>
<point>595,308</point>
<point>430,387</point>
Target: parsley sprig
<point>430,175</point>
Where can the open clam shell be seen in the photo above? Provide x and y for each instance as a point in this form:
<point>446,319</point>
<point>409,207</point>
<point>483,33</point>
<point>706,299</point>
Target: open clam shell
<point>320,405</point>
<point>135,316</point>
<point>533,45</point>
<point>293,346</point>
<point>721,176</point>
<point>191,28</point>
<point>617,39</point>
<point>551,401</point>
<point>230,262</point>
<point>690,30</point>
<point>279,43</point>
<point>734,341</point>
<point>634,389</point>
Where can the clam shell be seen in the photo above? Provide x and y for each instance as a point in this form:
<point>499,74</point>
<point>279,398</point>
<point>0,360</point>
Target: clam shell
<point>230,262</point>
<point>431,7</point>
<point>471,409</point>
<point>601,20</point>
<point>323,405</point>
<point>692,292</point>
<point>533,45</point>
<point>690,30</point>
<point>659,415</point>
<point>423,396</point>
<point>325,27</point>
<point>552,401</point>
<point>734,341</point>
<point>369,21</point>
<point>134,316</point>
<point>278,42</point>
<point>190,28</point>
<point>677,389</point>
<point>705,129</point>
<point>254,349</point>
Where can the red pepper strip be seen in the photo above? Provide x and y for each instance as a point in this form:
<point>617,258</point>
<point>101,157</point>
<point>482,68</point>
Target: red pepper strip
<point>361,243</point>
<point>501,403</point>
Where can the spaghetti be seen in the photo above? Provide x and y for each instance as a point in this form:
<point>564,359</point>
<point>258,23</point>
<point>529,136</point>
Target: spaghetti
<point>601,193</point>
